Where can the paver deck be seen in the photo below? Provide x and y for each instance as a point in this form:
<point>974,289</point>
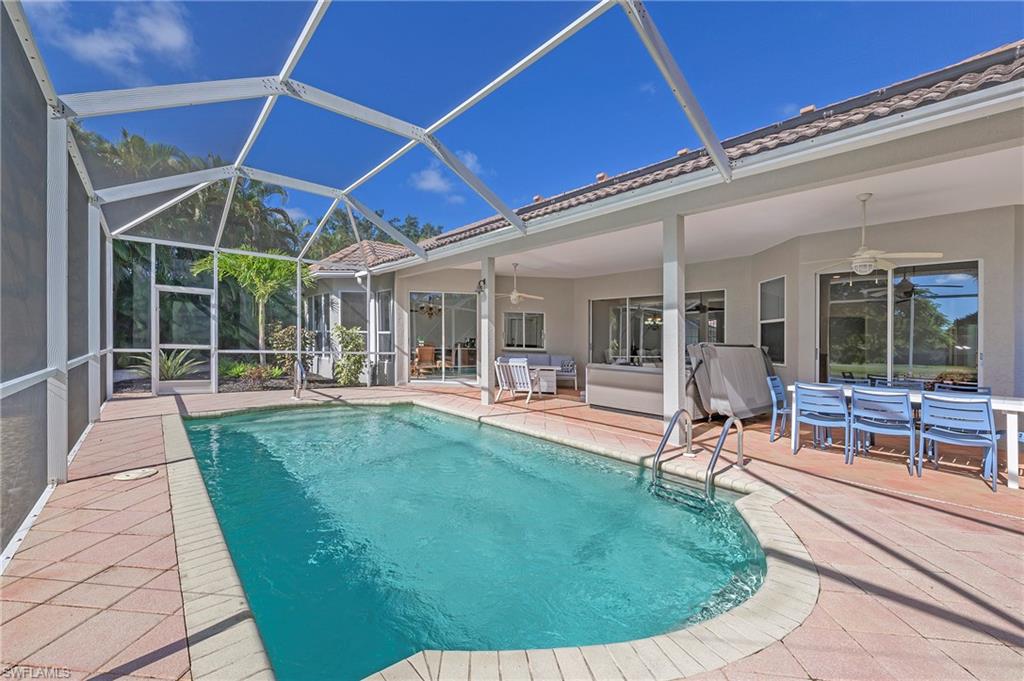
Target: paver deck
<point>919,578</point>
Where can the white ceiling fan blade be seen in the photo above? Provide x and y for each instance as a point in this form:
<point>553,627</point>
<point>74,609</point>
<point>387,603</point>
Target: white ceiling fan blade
<point>502,295</point>
<point>896,256</point>
<point>531,297</point>
<point>884,264</point>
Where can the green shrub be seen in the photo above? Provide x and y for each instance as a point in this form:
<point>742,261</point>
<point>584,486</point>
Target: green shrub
<point>173,365</point>
<point>282,338</point>
<point>256,376</point>
<point>351,344</point>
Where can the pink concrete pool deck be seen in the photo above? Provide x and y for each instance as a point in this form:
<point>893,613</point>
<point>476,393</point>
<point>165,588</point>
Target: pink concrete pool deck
<point>918,578</point>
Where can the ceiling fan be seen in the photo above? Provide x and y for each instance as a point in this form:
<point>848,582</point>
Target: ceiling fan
<point>865,260</point>
<point>515,297</point>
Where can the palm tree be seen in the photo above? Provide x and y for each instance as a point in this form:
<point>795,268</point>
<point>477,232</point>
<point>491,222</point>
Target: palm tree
<point>254,223</point>
<point>260,277</point>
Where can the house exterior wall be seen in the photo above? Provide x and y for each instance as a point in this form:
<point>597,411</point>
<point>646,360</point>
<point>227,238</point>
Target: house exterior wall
<point>994,236</point>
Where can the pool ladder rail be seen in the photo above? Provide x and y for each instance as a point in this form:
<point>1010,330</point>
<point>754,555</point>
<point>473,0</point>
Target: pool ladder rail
<point>658,483</point>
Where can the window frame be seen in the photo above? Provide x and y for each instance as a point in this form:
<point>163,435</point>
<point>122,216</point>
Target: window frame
<point>725,310</point>
<point>762,322</point>
<point>522,314</point>
<point>627,300</point>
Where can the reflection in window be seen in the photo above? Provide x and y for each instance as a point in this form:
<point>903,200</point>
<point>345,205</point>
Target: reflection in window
<point>772,318</point>
<point>626,331</point>
<point>131,268</point>
<point>524,330</point>
<point>318,317</point>
<point>705,317</point>
<point>935,322</point>
<point>853,329</point>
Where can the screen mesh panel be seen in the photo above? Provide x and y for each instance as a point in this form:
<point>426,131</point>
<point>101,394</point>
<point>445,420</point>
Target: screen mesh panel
<point>22,456</point>
<point>23,216</point>
<point>78,402</point>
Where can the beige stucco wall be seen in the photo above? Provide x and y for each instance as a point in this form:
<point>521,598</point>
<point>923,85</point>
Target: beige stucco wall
<point>993,236</point>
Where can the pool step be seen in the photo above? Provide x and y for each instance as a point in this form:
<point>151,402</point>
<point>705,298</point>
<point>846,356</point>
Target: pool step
<point>679,493</point>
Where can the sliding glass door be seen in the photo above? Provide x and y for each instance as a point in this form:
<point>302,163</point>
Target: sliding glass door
<point>916,322</point>
<point>442,334</point>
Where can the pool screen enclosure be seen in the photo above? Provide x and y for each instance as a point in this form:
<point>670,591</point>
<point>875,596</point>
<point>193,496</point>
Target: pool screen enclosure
<point>70,220</point>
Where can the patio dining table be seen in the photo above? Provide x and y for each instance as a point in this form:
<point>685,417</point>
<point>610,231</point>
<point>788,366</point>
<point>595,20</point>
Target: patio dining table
<point>1011,407</point>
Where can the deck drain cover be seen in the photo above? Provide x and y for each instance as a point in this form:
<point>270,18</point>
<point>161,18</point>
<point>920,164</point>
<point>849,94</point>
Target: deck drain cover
<point>136,474</point>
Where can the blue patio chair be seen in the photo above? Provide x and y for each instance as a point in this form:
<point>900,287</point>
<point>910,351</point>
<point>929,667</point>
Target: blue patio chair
<point>962,388</point>
<point>904,383</point>
<point>882,411</point>
<point>823,407</point>
<point>779,406</point>
<point>959,420</point>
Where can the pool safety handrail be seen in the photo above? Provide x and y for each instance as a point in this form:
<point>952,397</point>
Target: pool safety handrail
<point>709,474</point>
<point>687,432</point>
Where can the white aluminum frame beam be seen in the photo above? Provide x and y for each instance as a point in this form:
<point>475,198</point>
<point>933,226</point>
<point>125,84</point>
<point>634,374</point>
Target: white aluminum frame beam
<point>28,42</point>
<point>666,63</point>
<point>286,71</point>
<point>319,227</point>
<point>354,110</point>
<point>475,183</point>
<point>383,225</point>
<point>130,100</point>
<point>161,208</point>
<point>57,299</point>
<point>162,184</point>
<point>543,49</point>
<point>286,181</point>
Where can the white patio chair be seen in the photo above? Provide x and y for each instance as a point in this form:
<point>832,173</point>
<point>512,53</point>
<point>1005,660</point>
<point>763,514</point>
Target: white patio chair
<point>504,376</point>
<point>522,379</point>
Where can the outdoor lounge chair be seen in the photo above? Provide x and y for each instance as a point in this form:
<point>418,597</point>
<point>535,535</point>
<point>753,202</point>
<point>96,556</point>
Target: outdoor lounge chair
<point>959,420</point>
<point>515,376</point>
<point>780,408</point>
<point>882,411</point>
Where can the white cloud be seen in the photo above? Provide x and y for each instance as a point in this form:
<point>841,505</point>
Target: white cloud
<point>432,179</point>
<point>135,33</point>
<point>298,215</point>
<point>471,160</point>
<point>647,87</point>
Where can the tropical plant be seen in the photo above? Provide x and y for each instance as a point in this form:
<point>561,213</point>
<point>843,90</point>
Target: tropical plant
<point>283,338</point>
<point>352,344</point>
<point>174,365</point>
<point>260,277</point>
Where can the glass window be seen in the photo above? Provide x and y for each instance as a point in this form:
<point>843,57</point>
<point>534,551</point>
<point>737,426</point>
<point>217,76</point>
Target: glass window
<point>935,322</point>
<point>705,317</point>
<point>352,309</point>
<point>853,332</point>
<point>184,319</point>
<point>318,315</point>
<point>427,334</point>
<point>626,331</point>
<point>524,330</point>
<point>385,341</point>
<point>772,318</point>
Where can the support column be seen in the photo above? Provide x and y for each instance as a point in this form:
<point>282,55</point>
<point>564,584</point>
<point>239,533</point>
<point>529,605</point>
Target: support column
<point>108,245</point>
<point>57,299</point>
<point>673,330</point>
<point>95,386</point>
<point>485,346</point>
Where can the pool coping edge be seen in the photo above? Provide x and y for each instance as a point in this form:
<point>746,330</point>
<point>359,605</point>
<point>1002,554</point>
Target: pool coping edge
<point>223,639</point>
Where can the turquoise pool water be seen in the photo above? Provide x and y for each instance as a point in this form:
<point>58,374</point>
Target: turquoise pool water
<point>363,535</point>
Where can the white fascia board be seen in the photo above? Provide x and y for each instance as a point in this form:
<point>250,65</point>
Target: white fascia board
<point>161,208</point>
<point>980,104</point>
<point>547,46</point>
<point>162,184</point>
<point>383,225</point>
<point>130,100</point>
<point>469,177</point>
<point>286,181</point>
<point>353,110</point>
<point>666,63</point>
<point>319,227</point>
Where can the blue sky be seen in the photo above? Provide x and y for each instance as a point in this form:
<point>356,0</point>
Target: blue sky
<point>595,104</point>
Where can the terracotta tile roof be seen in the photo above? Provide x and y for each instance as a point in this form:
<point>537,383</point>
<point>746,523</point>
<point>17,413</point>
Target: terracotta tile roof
<point>358,256</point>
<point>987,69</point>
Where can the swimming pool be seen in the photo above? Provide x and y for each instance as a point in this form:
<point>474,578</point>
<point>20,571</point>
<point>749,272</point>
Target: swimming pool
<point>365,534</point>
